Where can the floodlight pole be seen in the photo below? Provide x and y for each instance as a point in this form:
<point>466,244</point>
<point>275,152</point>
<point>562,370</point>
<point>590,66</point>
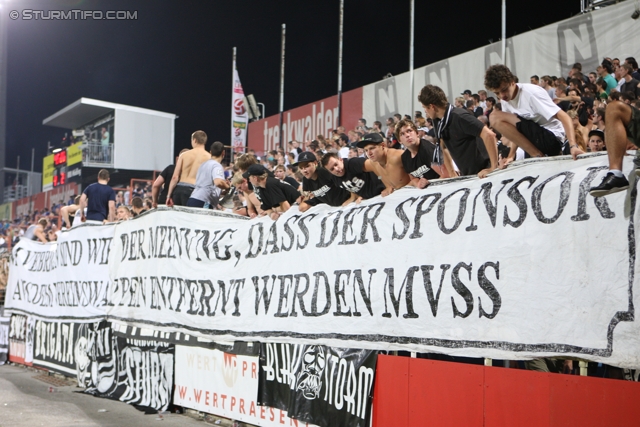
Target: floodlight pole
<point>504,32</point>
<point>282,82</point>
<point>411,37</point>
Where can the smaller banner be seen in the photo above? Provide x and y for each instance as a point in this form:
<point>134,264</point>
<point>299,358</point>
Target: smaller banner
<point>239,116</point>
<point>21,330</point>
<point>223,384</point>
<point>318,384</point>
<point>55,345</point>
<point>138,372</point>
<point>65,280</point>
<point>4,339</point>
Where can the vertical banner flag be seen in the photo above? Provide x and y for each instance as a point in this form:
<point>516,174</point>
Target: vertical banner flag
<point>239,116</point>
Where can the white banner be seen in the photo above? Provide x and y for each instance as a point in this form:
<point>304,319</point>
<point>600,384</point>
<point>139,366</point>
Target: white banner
<point>522,264</point>
<point>67,280</point>
<point>223,384</point>
<point>239,115</point>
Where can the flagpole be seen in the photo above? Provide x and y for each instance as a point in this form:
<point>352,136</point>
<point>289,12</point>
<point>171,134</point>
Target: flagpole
<point>411,37</point>
<point>282,82</point>
<point>340,40</point>
<point>233,72</point>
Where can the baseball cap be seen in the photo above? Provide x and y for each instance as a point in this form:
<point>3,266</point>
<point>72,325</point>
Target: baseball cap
<point>370,138</point>
<point>424,129</point>
<point>305,156</point>
<point>466,92</point>
<point>597,132</point>
<point>255,170</point>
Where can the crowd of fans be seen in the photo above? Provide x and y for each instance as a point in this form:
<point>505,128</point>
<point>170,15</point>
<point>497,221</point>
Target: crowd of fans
<point>547,116</point>
<point>474,135</point>
<point>12,231</point>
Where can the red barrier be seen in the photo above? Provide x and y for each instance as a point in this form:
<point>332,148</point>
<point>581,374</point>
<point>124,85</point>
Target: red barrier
<point>304,123</point>
<point>418,392</point>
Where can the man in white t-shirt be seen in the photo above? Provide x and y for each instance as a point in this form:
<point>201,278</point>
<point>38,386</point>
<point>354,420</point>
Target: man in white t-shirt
<point>294,148</point>
<point>529,118</point>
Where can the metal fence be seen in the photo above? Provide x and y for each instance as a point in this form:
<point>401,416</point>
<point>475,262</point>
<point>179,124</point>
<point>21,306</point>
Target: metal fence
<point>96,154</point>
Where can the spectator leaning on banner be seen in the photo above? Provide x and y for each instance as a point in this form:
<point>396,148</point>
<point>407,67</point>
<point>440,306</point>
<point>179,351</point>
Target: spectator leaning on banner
<point>99,199</point>
<point>318,185</point>
<point>463,139</point>
<point>280,172</point>
<point>242,190</point>
<point>137,207</point>
<point>276,197</point>
<point>596,140</point>
<point>352,176</point>
<point>385,162</point>
<point>529,118</point>
<point>417,158</point>
<point>36,231</point>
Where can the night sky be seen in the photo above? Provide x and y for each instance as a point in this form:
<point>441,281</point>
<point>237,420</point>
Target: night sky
<point>177,56</point>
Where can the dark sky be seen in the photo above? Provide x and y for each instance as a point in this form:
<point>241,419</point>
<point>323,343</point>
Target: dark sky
<point>176,57</point>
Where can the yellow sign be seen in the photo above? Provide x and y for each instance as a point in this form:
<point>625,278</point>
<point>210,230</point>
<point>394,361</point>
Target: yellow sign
<point>5,211</point>
<point>47,173</point>
<point>74,154</point>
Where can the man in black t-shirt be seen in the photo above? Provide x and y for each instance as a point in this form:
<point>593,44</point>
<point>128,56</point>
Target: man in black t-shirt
<point>416,159</point>
<point>319,183</point>
<point>276,197</point>
<point>463,138</point>
<point>280,172</point>
<point>161,184</point>
<point>243,162</point>
<point>350,174</point>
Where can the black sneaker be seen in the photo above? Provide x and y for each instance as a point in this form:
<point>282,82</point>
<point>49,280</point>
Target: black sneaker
<point>610,184</point>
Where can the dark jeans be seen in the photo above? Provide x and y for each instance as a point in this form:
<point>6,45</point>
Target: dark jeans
<point>181,194</point>
<point>195,203</point>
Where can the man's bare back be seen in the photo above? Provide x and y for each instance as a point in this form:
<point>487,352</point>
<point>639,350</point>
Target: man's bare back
<point>184,176</point>
<point>191,161</point>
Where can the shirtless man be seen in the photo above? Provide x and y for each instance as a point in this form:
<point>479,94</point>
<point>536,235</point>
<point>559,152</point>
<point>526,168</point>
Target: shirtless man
<point>384,162</point>
<point>67,211</point>
<point>184,176</point>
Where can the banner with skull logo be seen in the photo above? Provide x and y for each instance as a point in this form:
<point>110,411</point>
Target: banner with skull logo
<point>317,384</point>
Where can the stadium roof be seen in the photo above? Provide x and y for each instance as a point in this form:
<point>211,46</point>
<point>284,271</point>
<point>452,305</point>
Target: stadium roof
<point>85,110</point>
